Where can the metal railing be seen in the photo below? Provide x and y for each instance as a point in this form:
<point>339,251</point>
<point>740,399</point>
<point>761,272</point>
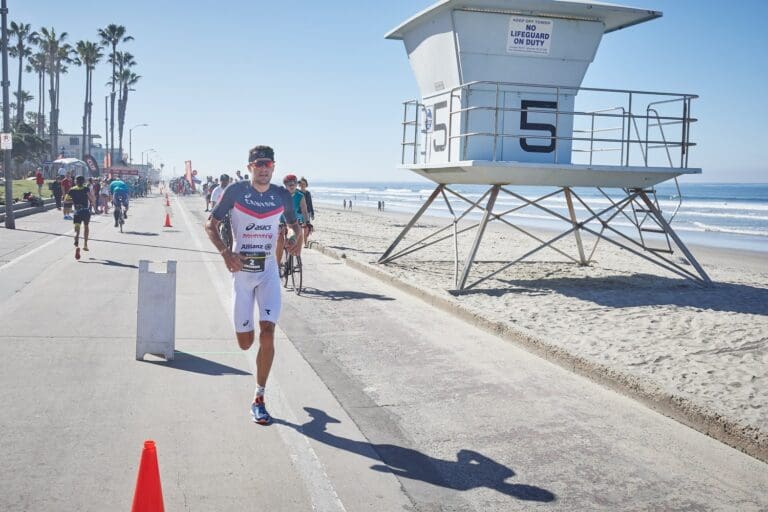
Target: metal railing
<point>633,120</point>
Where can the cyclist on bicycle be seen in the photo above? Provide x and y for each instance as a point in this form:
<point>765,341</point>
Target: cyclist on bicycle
<point>302,215</point>
<point>119,191</point>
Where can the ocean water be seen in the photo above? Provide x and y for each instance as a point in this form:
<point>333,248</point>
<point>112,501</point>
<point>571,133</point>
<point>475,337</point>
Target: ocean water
<point>713,214</point>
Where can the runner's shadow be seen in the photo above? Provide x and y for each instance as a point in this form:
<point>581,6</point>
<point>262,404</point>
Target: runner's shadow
<point>142,233</point>
<point>470,470</point>
<point>110,263</point>
<point>336,295</point>
<point>192,363</point>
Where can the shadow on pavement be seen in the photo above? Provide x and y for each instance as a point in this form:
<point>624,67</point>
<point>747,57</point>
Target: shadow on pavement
<point>192,363</point>
<point>141,233</point>
<point>110,263</point>
<point>335,295</point>
<point>470,469</point>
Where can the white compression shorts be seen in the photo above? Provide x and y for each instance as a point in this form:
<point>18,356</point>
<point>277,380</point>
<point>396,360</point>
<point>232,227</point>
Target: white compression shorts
<point>250,288</point>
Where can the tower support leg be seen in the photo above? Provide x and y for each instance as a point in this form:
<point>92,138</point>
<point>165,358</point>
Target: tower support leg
<point>384,257</point>
<point>576,227</point>
<point>478,237</point>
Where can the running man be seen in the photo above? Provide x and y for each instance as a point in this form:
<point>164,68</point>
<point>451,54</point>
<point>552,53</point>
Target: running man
<point>119,190</point>
<point>255,207</point>
<point>82,199</point>
<point>299,208</point>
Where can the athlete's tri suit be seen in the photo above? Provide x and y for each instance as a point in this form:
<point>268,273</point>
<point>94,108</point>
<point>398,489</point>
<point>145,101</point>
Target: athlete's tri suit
<point>255,217</point>
<point>78,196</point>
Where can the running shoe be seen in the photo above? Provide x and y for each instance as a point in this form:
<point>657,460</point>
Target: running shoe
<point>77,253</point>
<point>85,248</point>
<point>259,412</point>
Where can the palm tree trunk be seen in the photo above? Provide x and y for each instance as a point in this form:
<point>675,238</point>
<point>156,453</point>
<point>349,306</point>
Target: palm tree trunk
<point>85,116</point>
<point>20,117</point>
<point>52,100</point>
<point>89,79</point>
<point>112,105</point>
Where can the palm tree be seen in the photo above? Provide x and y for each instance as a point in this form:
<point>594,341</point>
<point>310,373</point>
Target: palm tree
<point>57,54</point>
<point>89,54</point>
<point>127,80</point>
<point>113,35</point>
<point>37,63</point>
<point>24,38</point>
<point>125,61</point>
<point>21,99</point>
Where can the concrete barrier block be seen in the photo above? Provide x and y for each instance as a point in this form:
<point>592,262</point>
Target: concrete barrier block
<point>156,312</point>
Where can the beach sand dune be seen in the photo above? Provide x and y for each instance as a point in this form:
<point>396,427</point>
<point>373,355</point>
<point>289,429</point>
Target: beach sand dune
<point>700,354</point>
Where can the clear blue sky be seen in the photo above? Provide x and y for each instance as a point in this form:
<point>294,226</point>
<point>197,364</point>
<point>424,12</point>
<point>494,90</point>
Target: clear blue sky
<point>319,83</point>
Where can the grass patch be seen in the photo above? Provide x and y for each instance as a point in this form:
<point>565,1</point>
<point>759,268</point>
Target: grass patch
<point>22,186</point>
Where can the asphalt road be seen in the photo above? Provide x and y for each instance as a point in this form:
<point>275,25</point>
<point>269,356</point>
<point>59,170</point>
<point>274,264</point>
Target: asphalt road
<point>381,402</point>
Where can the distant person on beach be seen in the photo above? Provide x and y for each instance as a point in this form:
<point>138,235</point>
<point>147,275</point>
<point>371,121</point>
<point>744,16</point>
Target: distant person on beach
<point>350,204</point>
<point>254,208</point>
<point>345,204</point>
<point>238,176</point>
<point>82,199</point>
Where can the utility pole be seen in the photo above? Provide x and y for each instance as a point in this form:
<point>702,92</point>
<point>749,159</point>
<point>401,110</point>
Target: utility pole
<point>10,222</point>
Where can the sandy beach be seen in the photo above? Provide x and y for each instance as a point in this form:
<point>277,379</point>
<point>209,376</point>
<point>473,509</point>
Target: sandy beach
<point>697,354</point>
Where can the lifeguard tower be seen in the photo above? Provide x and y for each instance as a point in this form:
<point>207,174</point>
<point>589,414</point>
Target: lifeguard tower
<point>502,105</point>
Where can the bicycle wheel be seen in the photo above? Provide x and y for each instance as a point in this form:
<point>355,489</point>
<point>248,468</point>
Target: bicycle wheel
<point>120,220</point>
<point>287,260</point>
<point>296,275</point>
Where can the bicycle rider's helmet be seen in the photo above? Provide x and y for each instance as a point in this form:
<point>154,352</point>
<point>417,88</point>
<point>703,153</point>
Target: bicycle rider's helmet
<point>289,177</point>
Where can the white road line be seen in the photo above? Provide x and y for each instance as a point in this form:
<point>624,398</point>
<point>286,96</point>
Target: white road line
<point>319,486</point>
<point>36,249</point>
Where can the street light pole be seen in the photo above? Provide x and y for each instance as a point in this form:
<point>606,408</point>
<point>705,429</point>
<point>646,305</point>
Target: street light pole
<point>142,155</point>
<point>10,222</point>
<point>130,143</point>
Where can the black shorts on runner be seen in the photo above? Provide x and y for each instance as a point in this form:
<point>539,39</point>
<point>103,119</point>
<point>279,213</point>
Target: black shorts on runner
<point>82,216</point>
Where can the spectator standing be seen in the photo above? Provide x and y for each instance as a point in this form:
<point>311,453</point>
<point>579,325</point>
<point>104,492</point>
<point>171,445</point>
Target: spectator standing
<point>39,180</point>
<point>57,192</point>
<point>66,184</point>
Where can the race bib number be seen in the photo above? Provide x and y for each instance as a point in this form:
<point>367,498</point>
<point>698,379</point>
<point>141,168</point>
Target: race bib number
<point>253,261</point>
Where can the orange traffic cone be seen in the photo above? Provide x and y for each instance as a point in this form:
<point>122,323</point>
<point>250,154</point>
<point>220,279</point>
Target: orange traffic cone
<point>149,494</point>
<point>167,221</point>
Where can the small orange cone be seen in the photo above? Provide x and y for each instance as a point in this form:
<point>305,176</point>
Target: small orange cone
<point>167,221</point>
<point>149,494</point>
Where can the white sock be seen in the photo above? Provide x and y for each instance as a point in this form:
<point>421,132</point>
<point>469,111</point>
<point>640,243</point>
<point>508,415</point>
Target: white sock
<point>259,393</point>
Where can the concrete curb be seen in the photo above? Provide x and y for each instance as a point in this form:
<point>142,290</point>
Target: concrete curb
<point>22,210</point>
<point>748,439</point>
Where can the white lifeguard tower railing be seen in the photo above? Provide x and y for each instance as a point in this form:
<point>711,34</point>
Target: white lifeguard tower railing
<point>502,105</point>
